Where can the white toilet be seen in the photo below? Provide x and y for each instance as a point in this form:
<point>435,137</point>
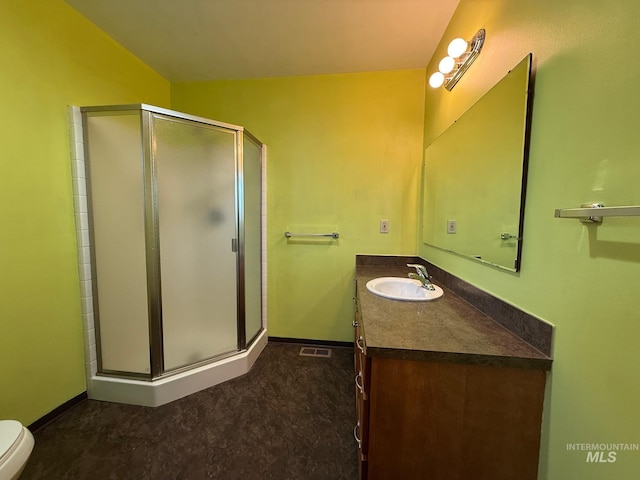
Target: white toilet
<point>16,443</point>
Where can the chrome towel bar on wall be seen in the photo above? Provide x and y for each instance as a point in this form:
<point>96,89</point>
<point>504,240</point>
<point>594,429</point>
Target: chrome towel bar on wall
<point>332,234</point>
<point>591,213</point>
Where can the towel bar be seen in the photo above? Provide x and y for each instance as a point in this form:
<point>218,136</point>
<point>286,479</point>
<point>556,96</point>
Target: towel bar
<point>594,212</point>
<point>332,234</point>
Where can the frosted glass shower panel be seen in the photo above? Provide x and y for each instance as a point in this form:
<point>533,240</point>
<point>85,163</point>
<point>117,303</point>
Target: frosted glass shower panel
<point>252,177</point>
<point>116,195</point>
<point>195,174</point>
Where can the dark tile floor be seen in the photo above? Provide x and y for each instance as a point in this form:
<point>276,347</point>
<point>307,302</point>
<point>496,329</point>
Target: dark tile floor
<point>290,417</point>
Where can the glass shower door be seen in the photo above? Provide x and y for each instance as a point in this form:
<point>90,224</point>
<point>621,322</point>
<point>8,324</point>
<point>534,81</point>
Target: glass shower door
<point>252,193</point>
<point>195,192</point>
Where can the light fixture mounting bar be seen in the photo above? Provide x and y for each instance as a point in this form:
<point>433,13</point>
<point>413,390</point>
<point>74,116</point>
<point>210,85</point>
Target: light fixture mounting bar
<point>475,46</point>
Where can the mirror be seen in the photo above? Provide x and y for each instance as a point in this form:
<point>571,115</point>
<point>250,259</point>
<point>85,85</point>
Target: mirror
<point>475,176</point>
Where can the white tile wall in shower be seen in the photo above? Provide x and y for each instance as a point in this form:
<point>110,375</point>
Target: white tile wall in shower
<point>82,236</point>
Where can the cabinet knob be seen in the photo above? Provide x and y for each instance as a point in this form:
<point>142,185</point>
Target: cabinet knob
<point>354,323</point>
<point>359,345</point>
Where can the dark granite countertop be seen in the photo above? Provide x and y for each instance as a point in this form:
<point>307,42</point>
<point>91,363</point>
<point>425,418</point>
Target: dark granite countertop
<point>447,329</point>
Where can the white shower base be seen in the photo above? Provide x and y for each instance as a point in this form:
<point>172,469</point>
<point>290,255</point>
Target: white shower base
<point>159,392</point>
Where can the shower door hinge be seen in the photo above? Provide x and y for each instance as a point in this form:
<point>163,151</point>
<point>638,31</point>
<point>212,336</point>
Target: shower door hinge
<point>234,244</point>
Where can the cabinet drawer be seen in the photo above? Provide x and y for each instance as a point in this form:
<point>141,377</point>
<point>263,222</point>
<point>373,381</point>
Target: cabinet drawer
<point>362,362</point>
<point>361,430</point>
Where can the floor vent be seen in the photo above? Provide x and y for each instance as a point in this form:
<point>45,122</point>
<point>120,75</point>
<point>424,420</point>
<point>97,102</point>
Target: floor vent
<point>315,352</point>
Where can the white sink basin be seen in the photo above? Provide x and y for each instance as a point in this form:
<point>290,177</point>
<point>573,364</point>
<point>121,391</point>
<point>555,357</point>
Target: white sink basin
<point>398,288</point>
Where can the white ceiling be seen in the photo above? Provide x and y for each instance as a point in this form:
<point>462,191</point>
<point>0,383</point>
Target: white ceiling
<point>196,40</point>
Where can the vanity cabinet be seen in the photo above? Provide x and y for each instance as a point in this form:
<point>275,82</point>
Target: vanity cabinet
<point>444,391</point>
<point>433,420</point>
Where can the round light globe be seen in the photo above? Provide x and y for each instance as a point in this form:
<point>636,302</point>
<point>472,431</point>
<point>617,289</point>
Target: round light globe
<point>457,47</point>
<point>436,80</point>
<point>446,65</point>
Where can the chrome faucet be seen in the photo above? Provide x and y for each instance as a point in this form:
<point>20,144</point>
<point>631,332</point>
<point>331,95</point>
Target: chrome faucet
<point>421,275</point>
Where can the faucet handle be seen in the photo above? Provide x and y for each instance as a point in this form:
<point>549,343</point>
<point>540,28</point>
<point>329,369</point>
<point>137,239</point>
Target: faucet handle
<point>421,269</point>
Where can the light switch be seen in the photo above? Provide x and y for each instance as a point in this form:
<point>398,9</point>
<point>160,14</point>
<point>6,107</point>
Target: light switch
<point>384,226</point>
<point>451,226</point>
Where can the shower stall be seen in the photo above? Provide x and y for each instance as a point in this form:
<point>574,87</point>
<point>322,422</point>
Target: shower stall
<point>174,294</point>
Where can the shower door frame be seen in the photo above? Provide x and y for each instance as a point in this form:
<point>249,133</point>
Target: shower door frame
<point>152,244</point>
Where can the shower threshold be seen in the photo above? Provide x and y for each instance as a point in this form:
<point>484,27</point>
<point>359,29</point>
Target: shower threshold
<point>167,389</point>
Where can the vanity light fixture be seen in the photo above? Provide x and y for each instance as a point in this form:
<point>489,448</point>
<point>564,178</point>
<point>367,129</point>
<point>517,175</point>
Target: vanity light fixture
<point>461,55</point>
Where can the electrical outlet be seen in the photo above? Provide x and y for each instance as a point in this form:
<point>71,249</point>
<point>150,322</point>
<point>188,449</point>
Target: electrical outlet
<point>452,226</point>
<point>384,226</point>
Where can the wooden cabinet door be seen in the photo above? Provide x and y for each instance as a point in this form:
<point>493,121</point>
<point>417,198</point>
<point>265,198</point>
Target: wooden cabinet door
<point>444,421</point>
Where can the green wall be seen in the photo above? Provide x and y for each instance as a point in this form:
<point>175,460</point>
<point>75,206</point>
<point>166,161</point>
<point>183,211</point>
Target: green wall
<point>584,148</point>
<point>52,57</point>
<point>344,152</point>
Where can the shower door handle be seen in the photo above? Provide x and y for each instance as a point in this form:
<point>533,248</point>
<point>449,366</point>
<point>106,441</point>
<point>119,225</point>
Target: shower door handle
<point>234,244</point>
